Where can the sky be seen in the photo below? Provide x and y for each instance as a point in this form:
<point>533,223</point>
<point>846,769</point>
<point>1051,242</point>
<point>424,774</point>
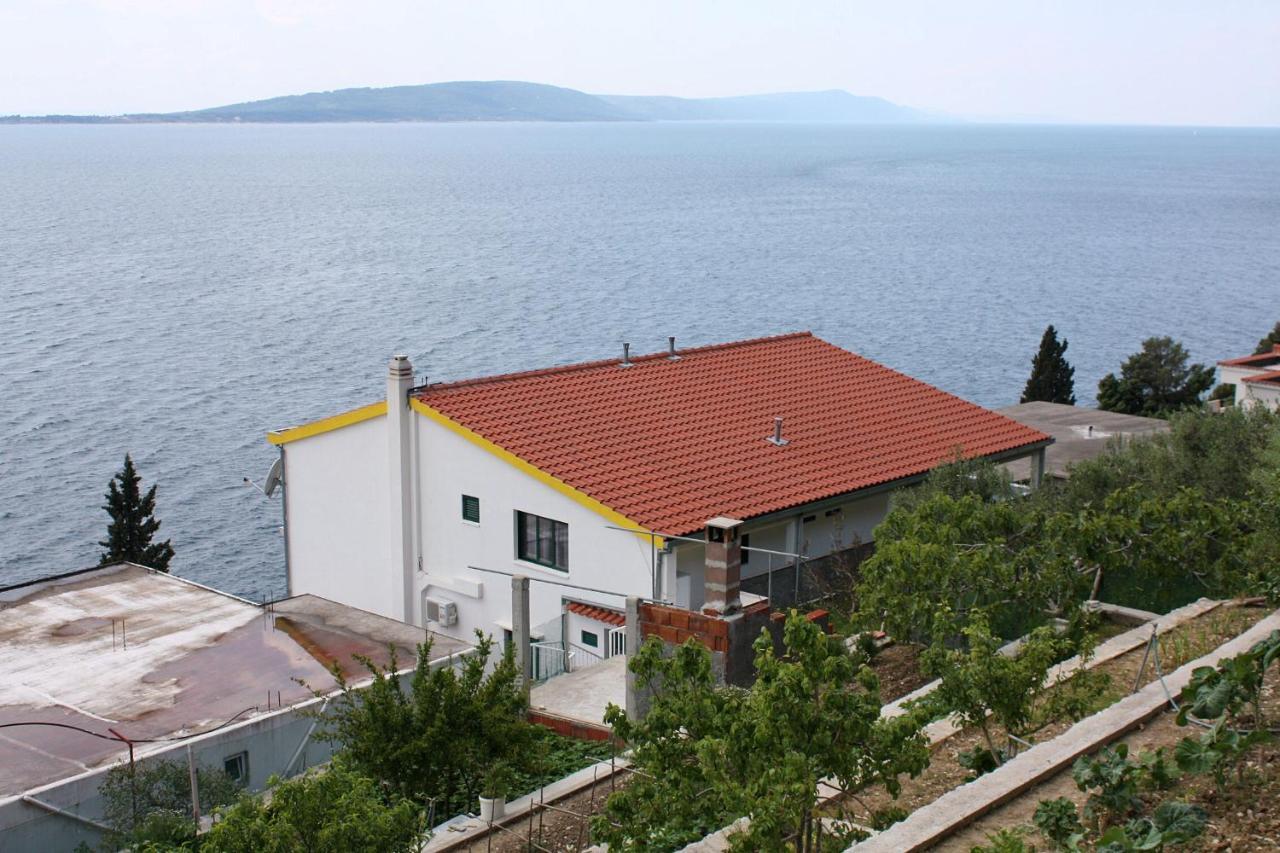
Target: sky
<point>1203,62</point>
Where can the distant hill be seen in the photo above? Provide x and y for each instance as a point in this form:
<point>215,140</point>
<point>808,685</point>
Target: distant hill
<point>516,101</point>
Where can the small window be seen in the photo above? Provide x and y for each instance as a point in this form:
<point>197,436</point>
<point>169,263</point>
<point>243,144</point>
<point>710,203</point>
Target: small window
<point>542,541</point>
<point>836,511</point>
<point>237,767</point>
<point>809,519</point>
<point>470,509</point>
<point>590,638</point>
<point>746,544</point>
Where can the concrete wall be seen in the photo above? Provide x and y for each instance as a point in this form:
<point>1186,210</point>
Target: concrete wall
<point>270,742</point>
<point>337,504</point>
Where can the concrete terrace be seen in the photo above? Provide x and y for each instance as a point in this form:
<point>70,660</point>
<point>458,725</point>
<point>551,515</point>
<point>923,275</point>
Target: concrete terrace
<point>583,695</point>
<point>155,657</point>
<point>1078,432</point>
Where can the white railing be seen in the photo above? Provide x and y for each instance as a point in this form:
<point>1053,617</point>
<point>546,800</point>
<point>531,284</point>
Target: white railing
<point>550,659</point>
<point>616,640</point>
<point>583,657</point>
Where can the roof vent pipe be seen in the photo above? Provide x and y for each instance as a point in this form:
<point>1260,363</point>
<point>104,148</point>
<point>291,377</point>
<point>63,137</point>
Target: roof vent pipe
<point>777,438</point>
<point>671,349</point>
<point>626,355</point>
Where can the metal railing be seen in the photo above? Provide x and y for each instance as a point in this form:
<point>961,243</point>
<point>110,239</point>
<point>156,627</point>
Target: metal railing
<point>549,660</point>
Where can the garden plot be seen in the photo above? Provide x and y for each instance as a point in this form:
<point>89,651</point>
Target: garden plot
<point>1048,766</point>
<point>1207,629</point>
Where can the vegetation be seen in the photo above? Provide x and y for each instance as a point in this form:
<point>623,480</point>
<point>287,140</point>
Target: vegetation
<point>1156,522</point>
<point>150,802</point>
<point>707,755</point>
<point>133,523</point>
<point>337,809</point>
<point>1270,340</point>
<point>1052,377</point>
<point>984,688</point>
<point>430,736</point>
<point>1155,382</point>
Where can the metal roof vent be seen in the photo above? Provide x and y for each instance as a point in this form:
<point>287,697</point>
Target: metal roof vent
<point>626,355</point>
<point>777,438</point>
<point>671,349</point>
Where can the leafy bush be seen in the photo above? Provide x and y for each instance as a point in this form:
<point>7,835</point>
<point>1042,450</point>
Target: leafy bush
<point>1007,840</point>
<point>708,755</point>
<point>1058,820</point>
<point>337,809</point>
<point>429,736</point>
<point>1112,780</point>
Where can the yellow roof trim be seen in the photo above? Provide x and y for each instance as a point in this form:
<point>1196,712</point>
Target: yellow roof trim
<point>355,416</point>
<point>534,472</point>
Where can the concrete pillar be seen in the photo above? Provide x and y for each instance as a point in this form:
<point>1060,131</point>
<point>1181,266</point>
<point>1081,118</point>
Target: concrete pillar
<point>723,567</point>
<point>637,698</point>
<point>400,483</point>
<point>520,632</point>
<point>1037,468</point>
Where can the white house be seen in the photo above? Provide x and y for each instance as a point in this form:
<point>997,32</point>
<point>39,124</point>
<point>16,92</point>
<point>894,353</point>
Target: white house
<point>1256,378</point>
<point>596,481</point>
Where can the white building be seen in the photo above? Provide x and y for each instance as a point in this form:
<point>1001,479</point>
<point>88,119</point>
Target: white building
<point>595,481</point>
<point>1256,378</point>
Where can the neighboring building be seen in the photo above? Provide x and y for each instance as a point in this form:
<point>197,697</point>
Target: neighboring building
<point>1256,378</point>
<point>597,480</point>
<point>91,658</point>
<point>1078,432</point>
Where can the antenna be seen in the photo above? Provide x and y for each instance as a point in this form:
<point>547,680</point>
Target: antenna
<point>274,480</point>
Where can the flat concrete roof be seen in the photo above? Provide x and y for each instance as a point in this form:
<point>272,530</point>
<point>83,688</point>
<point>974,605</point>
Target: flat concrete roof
<point>156,657</point>
<point>1079,433</point>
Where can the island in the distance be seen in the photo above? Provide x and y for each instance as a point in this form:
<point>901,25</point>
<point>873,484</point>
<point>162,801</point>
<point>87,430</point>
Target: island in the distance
<point>517,101</point>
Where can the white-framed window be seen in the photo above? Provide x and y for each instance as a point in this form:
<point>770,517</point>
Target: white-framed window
<point>237,767</point>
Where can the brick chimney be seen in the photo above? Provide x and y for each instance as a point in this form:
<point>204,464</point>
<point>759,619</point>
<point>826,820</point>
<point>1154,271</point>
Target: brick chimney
<point>723,567</point>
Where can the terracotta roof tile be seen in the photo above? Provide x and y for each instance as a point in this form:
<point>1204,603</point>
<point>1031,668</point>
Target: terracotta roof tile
<point>600,614</point>
<point>672,443</point>
<point>1271,378</point>
<point>1261,359</point>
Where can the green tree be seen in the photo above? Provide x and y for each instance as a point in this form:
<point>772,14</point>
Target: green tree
<point>1155,381</point>
<point>133,523</point>
<point>430,735</point>
<point>1266,344</point>
<point>337,809</point>
<point>708,755</point>
<point>1052,377</point>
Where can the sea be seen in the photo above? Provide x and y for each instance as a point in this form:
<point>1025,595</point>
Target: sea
<point>176,291</point>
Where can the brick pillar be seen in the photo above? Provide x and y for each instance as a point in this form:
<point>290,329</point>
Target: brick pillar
<point>723,567</point>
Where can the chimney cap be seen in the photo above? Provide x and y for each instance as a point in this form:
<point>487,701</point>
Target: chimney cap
<point>723,522</point>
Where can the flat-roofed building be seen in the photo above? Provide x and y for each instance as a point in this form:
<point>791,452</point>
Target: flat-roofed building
<point>93,660</point>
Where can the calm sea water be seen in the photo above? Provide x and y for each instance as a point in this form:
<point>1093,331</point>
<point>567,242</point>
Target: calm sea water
<point>175,291</point>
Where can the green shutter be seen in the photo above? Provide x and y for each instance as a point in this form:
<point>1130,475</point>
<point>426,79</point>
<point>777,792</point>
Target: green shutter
<point>470,509</point>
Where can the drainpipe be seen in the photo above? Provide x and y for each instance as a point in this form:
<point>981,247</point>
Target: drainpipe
<point>284,521</point>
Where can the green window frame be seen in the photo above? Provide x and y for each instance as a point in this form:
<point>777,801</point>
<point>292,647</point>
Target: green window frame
<point>471,509</point>
<point>591,638</point>
<point>542,541</point>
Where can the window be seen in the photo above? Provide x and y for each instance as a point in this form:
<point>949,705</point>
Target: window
<point>237,767</point>
<point>590,638</point>
<point>470,509</point>
<point>746,544</point>
<point>542,541</point>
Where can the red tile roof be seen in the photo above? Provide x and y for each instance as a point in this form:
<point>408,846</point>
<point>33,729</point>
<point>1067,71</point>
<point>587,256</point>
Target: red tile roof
<point>600,614</point>
<point>672,443</point>
<point>1272,378</point>
<point>1257,359</point>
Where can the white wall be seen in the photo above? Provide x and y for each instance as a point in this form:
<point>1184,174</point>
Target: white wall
<point>338,503</point>
<point>452,466</point>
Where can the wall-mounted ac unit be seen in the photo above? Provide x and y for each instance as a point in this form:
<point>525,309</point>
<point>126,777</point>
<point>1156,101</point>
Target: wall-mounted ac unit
<point>442,611</point>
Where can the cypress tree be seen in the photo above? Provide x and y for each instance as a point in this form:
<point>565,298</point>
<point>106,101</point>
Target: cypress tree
<point>1052,378</point>
<point>133,523</point>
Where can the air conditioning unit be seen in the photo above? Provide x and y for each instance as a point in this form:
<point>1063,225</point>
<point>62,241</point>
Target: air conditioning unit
<point>441,611</point>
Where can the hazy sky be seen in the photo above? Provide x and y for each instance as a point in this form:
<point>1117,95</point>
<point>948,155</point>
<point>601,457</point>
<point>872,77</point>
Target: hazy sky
<point>1172,61</point>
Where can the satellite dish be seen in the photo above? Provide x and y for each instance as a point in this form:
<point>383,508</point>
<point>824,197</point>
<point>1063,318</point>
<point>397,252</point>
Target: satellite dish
<point>275,477</point>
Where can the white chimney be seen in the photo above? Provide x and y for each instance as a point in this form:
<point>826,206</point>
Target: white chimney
<point>400,459</point>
